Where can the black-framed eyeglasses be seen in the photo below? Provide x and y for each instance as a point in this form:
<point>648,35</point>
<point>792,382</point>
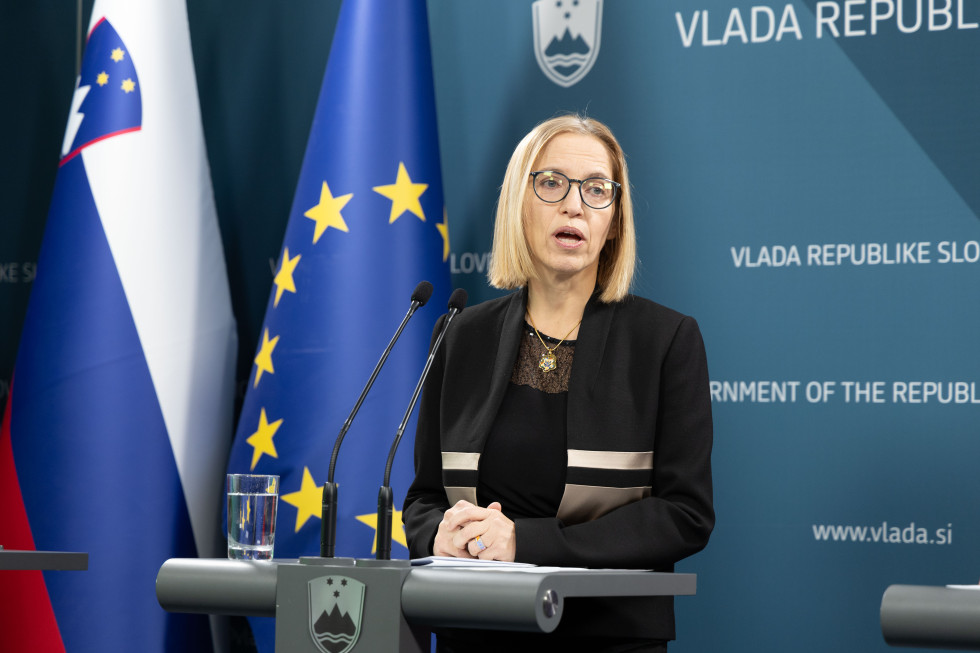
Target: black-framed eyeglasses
<point>596,192</point>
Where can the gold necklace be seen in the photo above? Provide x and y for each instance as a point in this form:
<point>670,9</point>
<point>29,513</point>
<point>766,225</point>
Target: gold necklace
<point>548,360</point>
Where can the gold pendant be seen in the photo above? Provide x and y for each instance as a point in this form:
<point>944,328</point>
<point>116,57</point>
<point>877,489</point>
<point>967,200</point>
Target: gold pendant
<point>548,361</point>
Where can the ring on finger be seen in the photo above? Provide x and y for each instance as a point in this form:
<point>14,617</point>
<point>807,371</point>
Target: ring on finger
<point>479,543</point>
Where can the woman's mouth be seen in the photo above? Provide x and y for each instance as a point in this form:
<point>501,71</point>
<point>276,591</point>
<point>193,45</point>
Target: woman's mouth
<point>569,237</point>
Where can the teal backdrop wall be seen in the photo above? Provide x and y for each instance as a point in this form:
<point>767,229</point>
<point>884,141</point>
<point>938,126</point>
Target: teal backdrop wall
<point>806,183</point>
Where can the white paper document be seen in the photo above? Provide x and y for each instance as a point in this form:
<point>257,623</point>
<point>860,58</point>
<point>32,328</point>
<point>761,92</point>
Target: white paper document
<point>494,565</point>
<point>449,561</point>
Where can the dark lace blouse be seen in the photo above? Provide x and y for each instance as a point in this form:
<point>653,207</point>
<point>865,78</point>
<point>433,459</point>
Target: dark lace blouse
<point>524,460</point>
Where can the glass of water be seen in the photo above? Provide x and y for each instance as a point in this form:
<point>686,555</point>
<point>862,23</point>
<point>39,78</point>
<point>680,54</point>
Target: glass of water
<point>252,501</point>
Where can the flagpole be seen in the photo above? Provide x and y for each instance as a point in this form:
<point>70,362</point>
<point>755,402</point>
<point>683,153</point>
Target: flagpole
<point>78,38</point>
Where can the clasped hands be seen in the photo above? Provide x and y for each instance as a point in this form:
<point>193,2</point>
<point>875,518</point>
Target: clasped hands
<point>465,527</point>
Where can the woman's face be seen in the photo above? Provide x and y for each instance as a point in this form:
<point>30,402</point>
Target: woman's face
<point>566,237</point>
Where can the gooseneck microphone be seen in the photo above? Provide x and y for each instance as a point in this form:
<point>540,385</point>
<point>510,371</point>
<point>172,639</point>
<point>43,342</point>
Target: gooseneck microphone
<point>457,301</point>
<point>328,516</point>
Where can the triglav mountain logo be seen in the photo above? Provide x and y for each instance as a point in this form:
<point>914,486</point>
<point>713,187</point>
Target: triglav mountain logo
<point>566,38</point>
<point>336,604</point>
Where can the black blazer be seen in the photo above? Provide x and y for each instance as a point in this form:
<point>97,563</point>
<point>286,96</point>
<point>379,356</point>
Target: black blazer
<point>639,384</point>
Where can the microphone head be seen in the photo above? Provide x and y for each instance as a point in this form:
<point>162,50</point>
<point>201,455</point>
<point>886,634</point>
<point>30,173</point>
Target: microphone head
<point>422,293</point>
<point>457,301</point>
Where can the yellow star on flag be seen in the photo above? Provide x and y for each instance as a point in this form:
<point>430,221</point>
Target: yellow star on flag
<point>397,528</point>
<point>118,55</point>
<point>404,195</point>
<point>128,85</point>
<point>443,228</point>
<point>261,440</point>
<point>102,79</point>
<point>284,278</point>
<point>308,501</point>
<point>327,212</point>
<point>263,361</point>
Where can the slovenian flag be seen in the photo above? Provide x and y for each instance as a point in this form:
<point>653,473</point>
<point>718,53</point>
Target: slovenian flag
<point>367,224</point>
<point>119,417</point>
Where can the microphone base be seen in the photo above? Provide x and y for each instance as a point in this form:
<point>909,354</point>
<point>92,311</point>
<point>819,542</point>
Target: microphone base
<point>385,512</point>
<point>328,520</point>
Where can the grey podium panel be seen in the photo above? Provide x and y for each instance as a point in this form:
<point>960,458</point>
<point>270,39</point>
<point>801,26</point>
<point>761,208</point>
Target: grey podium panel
<point>341,603</point>
<point>931,617</point>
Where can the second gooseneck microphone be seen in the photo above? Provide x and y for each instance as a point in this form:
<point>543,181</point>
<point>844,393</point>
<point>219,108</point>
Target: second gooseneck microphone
<point>457,301</point>
<point>328,516</point>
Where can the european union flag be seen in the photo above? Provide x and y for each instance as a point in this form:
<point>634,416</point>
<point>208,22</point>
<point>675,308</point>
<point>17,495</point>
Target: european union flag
<point>367,224</point>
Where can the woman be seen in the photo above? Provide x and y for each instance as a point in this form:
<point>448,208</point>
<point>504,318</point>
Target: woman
<point>568,423</point>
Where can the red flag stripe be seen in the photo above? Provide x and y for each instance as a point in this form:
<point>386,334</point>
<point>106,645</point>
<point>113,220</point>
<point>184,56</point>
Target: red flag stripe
<point>27,622</point>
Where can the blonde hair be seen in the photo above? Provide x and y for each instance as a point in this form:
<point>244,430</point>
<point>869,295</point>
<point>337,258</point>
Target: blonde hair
<point>511,265</point>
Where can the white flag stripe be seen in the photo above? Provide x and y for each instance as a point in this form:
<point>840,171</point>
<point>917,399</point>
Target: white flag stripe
<point>153,192</point>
